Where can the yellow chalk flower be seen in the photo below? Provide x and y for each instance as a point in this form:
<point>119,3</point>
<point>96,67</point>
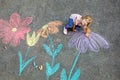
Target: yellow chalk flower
<point>31,41</point>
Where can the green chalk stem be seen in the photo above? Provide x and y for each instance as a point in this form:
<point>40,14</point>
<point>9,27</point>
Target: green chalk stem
<point>23,65</point>
<point>51,42</point>
<point>76,59</point>
<point>53,58</point>
<point>27,52</point>
<point>52,45</point>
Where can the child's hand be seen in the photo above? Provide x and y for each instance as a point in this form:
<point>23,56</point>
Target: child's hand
<point>87,31</point>
<point>74,26</point>
<point>87,34</point>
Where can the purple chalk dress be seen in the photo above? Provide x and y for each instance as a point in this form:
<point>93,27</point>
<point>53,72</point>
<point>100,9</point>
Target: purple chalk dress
<point>82,43</point>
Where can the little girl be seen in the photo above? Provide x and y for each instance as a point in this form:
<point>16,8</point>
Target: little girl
<point>76,22</point>
<point>83,39</point>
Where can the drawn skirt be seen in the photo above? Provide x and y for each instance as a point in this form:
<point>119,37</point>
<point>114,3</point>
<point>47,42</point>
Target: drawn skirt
<point>82,43</point>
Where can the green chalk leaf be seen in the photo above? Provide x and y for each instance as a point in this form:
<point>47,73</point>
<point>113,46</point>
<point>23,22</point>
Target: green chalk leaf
<point>55,68</point>
<point>20,62</point>
<point>63,75</point>
<point>58,49</point>
<point>51,70</point>
<point>28,61</point>
<point>47,49</point>
<point>22,65</point>
<point>48,69</point>
<point>76,75</point>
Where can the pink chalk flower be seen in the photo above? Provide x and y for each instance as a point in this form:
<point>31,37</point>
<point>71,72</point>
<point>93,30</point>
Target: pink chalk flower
<point>14,30</point>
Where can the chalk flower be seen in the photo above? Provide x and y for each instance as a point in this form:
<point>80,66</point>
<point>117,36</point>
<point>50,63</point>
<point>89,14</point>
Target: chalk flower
<point>14,30</point>
<point>82,43</point>
<point>50,28</point>
<point>31,41</point>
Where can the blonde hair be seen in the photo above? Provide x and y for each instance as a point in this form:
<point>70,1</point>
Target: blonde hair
<point>89,18</point>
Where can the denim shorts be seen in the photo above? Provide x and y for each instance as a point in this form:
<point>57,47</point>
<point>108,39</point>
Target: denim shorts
<point>71,24</point>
